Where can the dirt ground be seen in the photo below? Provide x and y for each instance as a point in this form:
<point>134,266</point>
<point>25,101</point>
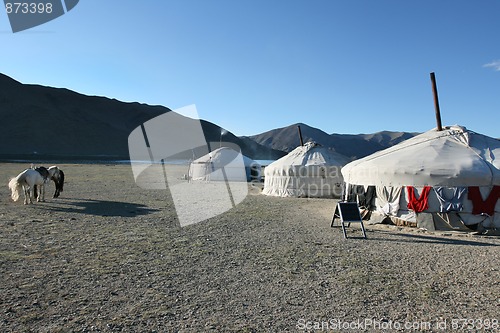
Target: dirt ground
<point>108,256</point>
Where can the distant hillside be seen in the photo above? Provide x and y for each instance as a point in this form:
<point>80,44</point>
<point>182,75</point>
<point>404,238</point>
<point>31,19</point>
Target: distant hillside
<point>350,145</point>
<point>41,122</point>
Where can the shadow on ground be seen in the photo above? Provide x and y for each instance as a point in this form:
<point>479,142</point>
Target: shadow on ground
<point>100,208</point>
<point>402,237</point>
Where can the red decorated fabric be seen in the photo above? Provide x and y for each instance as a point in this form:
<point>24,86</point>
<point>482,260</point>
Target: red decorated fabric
<point>418,204</point>
<point>480,206</point>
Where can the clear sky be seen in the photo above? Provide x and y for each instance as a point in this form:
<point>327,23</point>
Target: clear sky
<point>350,66</point>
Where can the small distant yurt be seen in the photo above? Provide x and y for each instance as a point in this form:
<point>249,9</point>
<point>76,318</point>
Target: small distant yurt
<point>225,164</point>
<point>308,171</point>
<point>438,180</point>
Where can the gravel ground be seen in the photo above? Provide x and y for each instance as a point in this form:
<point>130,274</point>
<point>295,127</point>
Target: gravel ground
<point>108,256</point>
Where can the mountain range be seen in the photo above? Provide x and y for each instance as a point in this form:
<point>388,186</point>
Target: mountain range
<point>351,145</point>
<point>40,122</point>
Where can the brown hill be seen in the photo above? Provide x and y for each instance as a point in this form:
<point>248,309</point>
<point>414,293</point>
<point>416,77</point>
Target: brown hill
<point>41,122</point>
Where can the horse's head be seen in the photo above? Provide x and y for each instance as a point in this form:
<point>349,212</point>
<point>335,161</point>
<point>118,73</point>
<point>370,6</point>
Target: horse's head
<point>53,172</point>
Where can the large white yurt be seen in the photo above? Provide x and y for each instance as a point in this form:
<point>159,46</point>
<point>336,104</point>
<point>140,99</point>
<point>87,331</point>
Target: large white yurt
<point>447,179</point>
<point>308,171</point>
<point>225,164</point>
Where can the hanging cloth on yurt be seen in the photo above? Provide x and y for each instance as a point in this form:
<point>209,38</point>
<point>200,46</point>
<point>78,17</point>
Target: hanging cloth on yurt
<point>418,204</point>
<point>354,191</point>
<point>367,199</point>
<point>388,199</point>
<point>481,206</point>
<point>453,203</point>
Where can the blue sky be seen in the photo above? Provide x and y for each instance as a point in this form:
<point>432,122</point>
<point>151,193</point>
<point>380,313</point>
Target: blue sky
<point>351,66</point>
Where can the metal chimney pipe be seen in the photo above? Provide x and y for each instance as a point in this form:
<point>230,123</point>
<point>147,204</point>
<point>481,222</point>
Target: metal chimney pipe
<point>300,136</point>
<point>436,102</point>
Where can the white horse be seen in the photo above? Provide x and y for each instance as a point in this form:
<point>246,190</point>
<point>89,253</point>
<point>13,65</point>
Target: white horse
<point>27,181</point>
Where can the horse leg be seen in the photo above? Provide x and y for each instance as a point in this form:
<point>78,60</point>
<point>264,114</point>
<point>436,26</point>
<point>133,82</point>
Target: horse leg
<point>58,185</point>
<point>55,185</point>
<point>42,192</point>
<point>30,194</point>
<point>27,195</point>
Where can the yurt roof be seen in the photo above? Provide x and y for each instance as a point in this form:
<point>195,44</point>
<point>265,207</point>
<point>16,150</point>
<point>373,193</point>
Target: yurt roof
<point>222,156</point>
<point>309,154</point>
<point>454,156</point>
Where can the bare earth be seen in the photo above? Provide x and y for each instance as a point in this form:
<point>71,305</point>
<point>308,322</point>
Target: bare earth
<point>108,256</point>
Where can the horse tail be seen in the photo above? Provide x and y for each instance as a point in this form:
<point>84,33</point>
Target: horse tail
<point>15,185</point>
<point>61,183</point>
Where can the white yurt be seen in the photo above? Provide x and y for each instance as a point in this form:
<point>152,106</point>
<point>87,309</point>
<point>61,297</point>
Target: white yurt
<point>308,171</point>
<point>447,179</point>
<point>225,164</point>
